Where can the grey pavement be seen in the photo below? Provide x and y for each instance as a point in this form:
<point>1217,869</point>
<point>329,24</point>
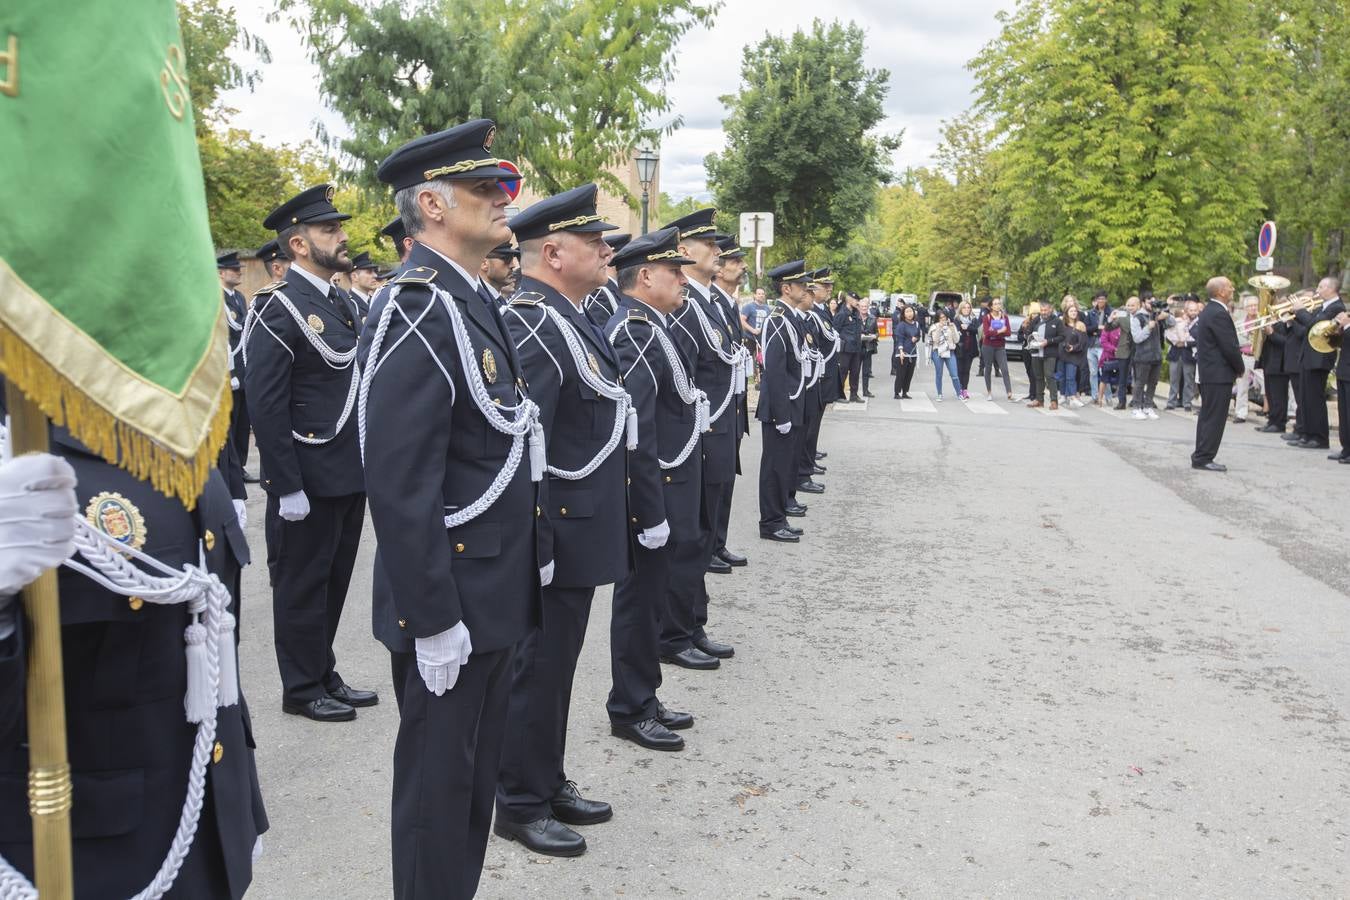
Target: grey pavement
<point>1016,654</point>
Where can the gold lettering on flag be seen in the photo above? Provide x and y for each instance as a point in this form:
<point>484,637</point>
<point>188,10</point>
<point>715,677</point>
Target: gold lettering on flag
<point>9,61</point>
<point>175,70</point>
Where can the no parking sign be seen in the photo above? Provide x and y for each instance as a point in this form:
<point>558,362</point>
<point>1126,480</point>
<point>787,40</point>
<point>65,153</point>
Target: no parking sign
<point>1265,247</point>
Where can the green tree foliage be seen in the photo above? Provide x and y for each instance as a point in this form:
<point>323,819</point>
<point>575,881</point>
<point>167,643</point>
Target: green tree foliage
<point>572,83</point>
<point>961,192</point>
<point>1127,138</point>
<point>799,140</point>
<point>209,31</point>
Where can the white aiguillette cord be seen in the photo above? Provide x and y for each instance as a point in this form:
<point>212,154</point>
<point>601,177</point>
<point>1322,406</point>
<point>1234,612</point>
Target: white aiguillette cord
<point>689,394</point>
<point>212,673</point>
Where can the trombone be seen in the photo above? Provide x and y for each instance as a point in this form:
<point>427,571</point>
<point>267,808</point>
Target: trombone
<point>1283,311</point>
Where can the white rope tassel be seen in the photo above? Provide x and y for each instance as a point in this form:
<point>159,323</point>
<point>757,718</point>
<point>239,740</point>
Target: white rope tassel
<point>538,454</point>
<point>200,699</point>
<point>229,662</point>
<point>632,427</point>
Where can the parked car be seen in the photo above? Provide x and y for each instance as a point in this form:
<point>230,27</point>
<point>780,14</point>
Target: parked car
<point>1013,342</point>
<point>950,299</point>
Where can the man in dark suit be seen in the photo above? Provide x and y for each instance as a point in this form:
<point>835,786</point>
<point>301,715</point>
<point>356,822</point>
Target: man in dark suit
<point>1343,394</point>
<point>869,343</point>
<point>1316,367</point>
<point>1218,363</point>
<point>782,401</point>
<point>453,453</point>
<point>498,271</point>
<point>573,374</point>
<point>126,675</point>
<point>665,481</point>
<point>364,284</point>
<point>299,350</point>
<point>706,340</point>
<point>1276,375</point>
<point>601,303</point>
<point>729,274</point>
<point>848,324</point>
<point>231,273</point>
<point>398,236</point>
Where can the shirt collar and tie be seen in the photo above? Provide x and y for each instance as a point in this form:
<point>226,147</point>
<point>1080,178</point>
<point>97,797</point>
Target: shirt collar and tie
<point>322,286</point>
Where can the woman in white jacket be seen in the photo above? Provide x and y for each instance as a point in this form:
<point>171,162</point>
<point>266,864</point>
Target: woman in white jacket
<point>942,338</point>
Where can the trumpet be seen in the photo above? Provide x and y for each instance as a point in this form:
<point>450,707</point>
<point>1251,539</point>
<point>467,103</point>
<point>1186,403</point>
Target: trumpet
<point>1282,311</point>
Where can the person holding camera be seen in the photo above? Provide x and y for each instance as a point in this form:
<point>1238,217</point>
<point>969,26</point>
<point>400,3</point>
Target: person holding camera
<point>1146,327</point>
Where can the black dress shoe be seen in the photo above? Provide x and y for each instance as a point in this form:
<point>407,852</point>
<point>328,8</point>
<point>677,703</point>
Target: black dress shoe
<point>797,512</point>
<point>811,487</point>
<point>648,733</point>
<point>1345,460</point>
<point>353,697</point>
<point>821,454</point>
<point>250,479</point>
<point>868,394</point>
<point>793,529</point>
<point>714,648</point>
<point>1270,429</point>
<point>1338,456</point>
<point>571,808</point>
<point>547,836</point>
<point>732,559</point>
<point>1210,467</point>
<point>719,566</point>
<point>1293,437</point>
<point>672,718</point>
<point>691,658</point>
<point>818,469</point>
<point>1311,445</point>
<point>325,709</point>
<point>781,534</point>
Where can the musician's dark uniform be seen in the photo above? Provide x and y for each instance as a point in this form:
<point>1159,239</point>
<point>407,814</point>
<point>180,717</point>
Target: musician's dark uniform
<point>293,390</point>
<point>591,537</point>
<point>655,495</point>
<point>1343,403</point>
<point>1294,348</point>
<point>1316,367</point>
<point>125,673</point>
<point>1271,364</point>
<point>1218,362</point>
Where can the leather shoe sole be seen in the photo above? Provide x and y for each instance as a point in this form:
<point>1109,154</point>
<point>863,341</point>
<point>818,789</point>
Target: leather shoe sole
<point>818,469</point>
<point>719,566</point>
<point>797,513</point>
<point>811,487</point>
<point>691,658</point>
<point>782,535</point>
<point>325,709</point>
<point>664,739</point>
<point>548,836</point>
<point>732,559</point>
<point>1210,467</point>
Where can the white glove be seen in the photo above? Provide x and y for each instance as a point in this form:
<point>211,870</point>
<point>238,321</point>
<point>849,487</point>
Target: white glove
<point>784,428</point>
<point>440,656</point>
<point>241,512</point>
<point>546,575</point>
<point>37,518</point>
<point>234,382</point>
<point>294,507</point>
<point>655,538</point>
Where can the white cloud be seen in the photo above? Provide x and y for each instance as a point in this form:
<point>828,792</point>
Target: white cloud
<point>924,45</point>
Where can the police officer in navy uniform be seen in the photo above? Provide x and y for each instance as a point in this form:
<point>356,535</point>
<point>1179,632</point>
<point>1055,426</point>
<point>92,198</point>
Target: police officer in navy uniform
<point>231,273</point>
<point>274,260</point>
<point>665,482</point>
<point>567,361</point>
<point>463,548</point>
<point>782,401</point>
<point>300,347</point>
<point>398,236</point>
<point>498,270</point>
<point>706,339</point>
<point>724,289</point>
<point>826,388</point>
<point>125,672</point>
<point>364,284</point>
<point>601,303</point>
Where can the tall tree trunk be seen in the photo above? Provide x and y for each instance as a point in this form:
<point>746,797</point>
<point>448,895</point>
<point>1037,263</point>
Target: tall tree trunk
<point>1305,265</point>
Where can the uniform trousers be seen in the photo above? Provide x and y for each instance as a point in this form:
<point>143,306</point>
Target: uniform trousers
<point>724,516</point>
<point>850,368</point>
<point>1313,399</point>
<point>1343,412</point>
<point>1209,423</point>
<point>777,475</point>
<point>867,370</point>
<point>688,564</point>
<point>810,436</point>
<point>310,564</point>
<point>634,632</point>
<point>239,425</point>
<point>446,759</point>
<point>1277,397</point>
<point>532,770</point>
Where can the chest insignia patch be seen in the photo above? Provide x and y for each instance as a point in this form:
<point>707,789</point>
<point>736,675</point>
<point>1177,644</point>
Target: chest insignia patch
<point>489,366</point>
<point>314,322</point>
<point>118,518</point>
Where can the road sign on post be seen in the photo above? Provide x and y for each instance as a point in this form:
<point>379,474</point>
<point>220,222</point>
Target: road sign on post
<point>757,232</point>
<point>1265,247</point>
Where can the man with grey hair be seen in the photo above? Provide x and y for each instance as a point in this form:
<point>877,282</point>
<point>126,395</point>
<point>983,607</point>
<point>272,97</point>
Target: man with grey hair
<point>453,459</point>
<point>1316,367</point>
<point>1218,363</point>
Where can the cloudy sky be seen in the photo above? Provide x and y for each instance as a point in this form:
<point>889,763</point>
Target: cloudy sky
<point>923,44</point>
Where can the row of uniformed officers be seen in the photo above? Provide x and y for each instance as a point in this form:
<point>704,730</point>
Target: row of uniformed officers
<point>514,455</point>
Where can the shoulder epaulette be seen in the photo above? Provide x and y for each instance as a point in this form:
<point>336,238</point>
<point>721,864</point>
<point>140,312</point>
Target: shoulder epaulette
<point>527,298</point>
<point>269,288</point>
<point>636,315</point>
<point>777,311</point>
<point>419,275</point>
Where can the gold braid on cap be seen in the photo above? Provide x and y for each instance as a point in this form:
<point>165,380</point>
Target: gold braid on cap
<point>668,254</point>
<point>464,165</point>
<point>699,230</point>
<point>579,220</point>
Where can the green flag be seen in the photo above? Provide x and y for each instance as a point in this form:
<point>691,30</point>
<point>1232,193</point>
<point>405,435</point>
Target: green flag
<point>111,316</point>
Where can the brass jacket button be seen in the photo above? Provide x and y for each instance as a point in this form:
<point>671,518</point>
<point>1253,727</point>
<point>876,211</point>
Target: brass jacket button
<point>217,752</point>
<point>563,510</point>
<point>459,548</point>
<point>135,603</point>
<point>209,539</point>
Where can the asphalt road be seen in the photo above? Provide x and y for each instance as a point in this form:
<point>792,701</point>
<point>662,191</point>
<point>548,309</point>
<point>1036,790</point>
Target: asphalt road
<point>1016,654</point>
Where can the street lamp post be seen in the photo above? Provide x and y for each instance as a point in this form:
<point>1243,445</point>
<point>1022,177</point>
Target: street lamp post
<point>646,167</point>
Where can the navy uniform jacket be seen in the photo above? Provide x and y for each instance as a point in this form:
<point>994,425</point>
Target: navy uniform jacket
<point>829,378</point>
<point>732,317</point>
<point>1218,359</point>
<point>848,323</point>
<point>236,311</point>
<point>292,388</point>
<point>430,451</point>
<point>362,304</point>
<point>1312,360</point>
<point>125,676</point>
<point>664,424</point>
<point>712,376</point>
<point>781,374</point>
<point>601,303</point>
<point>589,516</point>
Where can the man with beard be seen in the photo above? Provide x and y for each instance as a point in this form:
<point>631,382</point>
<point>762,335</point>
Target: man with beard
<point>498,271</point>
<point>300,349</point>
